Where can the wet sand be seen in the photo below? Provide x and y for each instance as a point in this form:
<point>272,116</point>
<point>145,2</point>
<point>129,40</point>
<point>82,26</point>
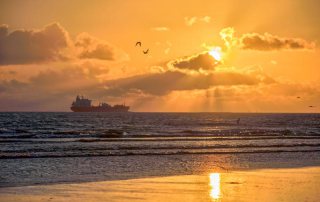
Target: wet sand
<point>293,184</point>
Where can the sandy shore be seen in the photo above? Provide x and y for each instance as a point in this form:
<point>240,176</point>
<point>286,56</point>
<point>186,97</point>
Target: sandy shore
<point>296,184</point>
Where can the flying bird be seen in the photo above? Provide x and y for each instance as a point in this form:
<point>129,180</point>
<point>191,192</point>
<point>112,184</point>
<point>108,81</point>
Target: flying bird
<point>138,43</point>
<point>146,51</point>
<point>298,97</point>
<point>311,106</point>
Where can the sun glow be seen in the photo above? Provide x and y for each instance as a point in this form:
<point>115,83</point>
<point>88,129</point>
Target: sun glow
<point>215,185</point>
<point>216,53</point>
<point>226,35</point>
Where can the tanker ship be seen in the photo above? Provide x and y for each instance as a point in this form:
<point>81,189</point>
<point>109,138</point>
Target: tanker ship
<point>84,105</point>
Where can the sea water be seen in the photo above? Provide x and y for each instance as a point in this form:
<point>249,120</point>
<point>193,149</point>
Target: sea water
<point>70,147</point>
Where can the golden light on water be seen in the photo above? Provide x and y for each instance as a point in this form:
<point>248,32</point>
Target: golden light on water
<point>215,185</point>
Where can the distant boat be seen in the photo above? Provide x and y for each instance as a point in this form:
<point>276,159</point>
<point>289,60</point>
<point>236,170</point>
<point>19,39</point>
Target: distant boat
<point>82,104</point>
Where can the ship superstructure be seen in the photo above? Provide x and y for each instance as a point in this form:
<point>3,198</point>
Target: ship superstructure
<point>82,104</point>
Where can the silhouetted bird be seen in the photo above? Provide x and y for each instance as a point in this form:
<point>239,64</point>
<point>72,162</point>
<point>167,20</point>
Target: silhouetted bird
<point>298,97</point>
<point>146,51</point>
<point>311,106</point>
<point>138,43</point>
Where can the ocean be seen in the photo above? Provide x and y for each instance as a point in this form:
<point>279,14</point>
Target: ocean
<point>44,148</point>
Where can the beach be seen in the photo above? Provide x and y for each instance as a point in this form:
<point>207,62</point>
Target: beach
<point>295,184</point>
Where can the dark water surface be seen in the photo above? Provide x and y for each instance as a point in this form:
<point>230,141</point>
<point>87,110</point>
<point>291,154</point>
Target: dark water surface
<point>68,147</point>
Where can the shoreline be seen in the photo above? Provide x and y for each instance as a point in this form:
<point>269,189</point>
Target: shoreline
<point>289,184</point>
<point>51,171</point>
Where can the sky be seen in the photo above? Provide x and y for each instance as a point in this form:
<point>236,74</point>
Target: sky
<point>203,56</point>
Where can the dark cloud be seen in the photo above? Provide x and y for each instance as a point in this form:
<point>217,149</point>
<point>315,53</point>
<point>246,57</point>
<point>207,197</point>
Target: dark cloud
<point>11,86</point>
<point>51,89</point>
<point>268,42</point>
<point>201,61</point>
<point>30,46</point>
<point>164,83</point>
<point>52,43</point>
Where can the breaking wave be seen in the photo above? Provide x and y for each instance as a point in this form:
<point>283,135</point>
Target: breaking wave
<point>34,135</point>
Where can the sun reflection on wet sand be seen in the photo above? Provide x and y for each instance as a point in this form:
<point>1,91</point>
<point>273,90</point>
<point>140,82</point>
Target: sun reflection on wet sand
<point>215,186</point>
<point>250,186</point>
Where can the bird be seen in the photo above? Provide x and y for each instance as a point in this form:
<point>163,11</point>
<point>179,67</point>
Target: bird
<point>298,97</point>
<point>146,51</point>
<point>138,43</point>
<point>311,106</point>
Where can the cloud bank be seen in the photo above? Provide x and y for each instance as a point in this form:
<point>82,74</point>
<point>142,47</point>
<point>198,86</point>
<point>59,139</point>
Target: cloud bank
<point>33,46</point>
<point>51,89</point>
<point>268,42</point>
<point>160,84</point>
<point>52,43</point>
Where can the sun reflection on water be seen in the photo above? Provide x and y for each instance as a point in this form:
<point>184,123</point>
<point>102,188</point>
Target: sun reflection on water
<point>215,186</point>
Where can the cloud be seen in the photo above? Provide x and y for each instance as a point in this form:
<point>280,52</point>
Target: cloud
<point>276,97</point>
<point>196,62</point>
<point>52,89</point>
<point>163,83</point>
<point>101,51</point>
<point>7,72</point>
<point>268,42</point>
<point>11,85</point>
<point>55,89</point>
<point>160,29</point>
<point>33,46</point>
<point>52,43</point>
<point>189,21</point>
<point>262,42</point>
<point>227,35</point>
<point>89,47</point>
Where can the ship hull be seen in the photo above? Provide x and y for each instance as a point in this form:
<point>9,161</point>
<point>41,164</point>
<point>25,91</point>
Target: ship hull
<point>99,109</point>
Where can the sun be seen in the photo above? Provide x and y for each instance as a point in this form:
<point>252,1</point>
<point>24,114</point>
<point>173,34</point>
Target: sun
<point>216,53</point>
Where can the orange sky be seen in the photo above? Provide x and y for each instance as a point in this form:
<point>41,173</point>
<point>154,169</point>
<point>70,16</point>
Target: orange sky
<point>209,56</point>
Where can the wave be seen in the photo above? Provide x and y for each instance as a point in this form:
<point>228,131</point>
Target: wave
<point>248,132</point>
<point>191,138</point>
<point>136,132</point>
<point>18,156</point>
<point>143,147</point>
<point>84,139</point>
